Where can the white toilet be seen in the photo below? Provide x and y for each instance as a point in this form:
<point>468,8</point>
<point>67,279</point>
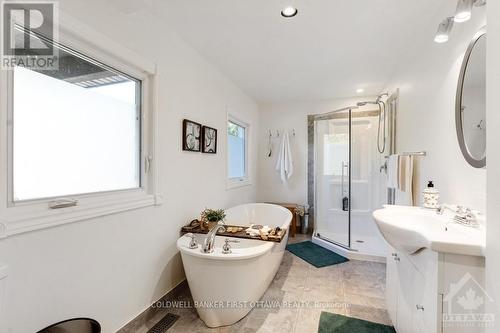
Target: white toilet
<point>3,278</point>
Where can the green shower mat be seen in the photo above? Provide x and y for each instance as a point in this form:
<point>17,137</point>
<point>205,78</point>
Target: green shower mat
<point>334,323</point>
<point>315,254</point>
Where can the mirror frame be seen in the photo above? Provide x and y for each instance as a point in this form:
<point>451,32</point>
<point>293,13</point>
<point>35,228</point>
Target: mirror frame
<point>458,104</point>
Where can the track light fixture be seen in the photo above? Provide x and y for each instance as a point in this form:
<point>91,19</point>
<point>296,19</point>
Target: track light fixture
<point>444,30</point>
<point>464,11</point>
<point>462,14</point>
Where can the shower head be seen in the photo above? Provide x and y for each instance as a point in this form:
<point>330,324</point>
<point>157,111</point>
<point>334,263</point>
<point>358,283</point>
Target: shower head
<point>378,100</point>
<point>382,95</point>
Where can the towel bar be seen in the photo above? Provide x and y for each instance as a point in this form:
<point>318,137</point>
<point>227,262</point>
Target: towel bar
<point>415,153</point>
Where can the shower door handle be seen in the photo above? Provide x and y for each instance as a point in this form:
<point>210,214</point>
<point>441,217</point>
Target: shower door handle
<point>344,166</point>
<point>345,199</point>
<point>342,180</point>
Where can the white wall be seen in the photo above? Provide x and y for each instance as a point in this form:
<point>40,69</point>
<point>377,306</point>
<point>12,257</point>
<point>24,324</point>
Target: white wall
<point>493,160</point>
<point>426,117</point>
<point>288,117</point>
<point>112,268</point>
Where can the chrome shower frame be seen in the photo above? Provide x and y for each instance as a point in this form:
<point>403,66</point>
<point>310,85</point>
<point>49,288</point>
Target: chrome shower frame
<point>326,116</point>
<point>391,109</point>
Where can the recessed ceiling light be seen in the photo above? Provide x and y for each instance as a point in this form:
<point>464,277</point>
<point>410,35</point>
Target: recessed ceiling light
<point>360,90</point>
<point>289,12</point>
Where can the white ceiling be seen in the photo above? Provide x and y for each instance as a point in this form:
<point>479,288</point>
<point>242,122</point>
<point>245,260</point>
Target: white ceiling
<point>331,48</point>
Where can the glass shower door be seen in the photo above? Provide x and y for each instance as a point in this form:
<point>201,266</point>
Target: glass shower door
<point>332,178</point>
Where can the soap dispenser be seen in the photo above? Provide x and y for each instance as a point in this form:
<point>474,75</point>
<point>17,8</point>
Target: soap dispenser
<point>431,196</point>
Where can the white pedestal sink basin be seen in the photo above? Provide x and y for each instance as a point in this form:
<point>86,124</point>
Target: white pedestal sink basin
<point>410,229</point>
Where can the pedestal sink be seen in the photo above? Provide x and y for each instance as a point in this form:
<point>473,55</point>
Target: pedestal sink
<point>410,229</point>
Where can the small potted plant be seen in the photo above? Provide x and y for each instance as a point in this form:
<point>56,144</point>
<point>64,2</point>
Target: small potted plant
<point>303,215</point>
<point>210,217</point>
<point>300,210</point>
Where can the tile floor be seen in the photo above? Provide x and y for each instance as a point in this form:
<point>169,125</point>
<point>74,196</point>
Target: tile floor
<point>354,288</point>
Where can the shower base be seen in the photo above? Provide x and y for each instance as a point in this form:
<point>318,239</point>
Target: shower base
<point>348,253</point>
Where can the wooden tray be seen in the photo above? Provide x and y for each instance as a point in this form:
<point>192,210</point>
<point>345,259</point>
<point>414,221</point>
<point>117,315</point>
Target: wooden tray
<point>239,234</point>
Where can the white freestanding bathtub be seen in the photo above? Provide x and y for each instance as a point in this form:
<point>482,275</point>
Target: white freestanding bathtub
<point>225,287</point>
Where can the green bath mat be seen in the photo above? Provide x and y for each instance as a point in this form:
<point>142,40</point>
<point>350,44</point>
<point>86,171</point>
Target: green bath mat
<point>334,323</point>
<point>315,254</point>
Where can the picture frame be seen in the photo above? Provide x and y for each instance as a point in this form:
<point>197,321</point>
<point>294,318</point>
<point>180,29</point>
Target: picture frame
<point>191,135</point>
<point>209,140</point>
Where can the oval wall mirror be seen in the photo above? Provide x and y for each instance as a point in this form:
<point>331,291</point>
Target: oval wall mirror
<point>470,110</point>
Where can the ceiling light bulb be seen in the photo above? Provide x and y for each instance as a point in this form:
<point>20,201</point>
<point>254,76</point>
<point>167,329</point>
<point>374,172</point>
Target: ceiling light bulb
<point>464,10</point>
<point>289,12</point>
<point>444,29</point>
<point>360,90</point>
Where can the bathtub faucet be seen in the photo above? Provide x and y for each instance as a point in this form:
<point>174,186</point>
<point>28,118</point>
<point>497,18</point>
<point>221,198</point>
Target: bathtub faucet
<point>208,244</point>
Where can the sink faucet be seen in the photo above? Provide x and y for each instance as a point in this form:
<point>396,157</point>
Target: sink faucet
<point>464,216</point>
<point>208,244</point>
<point>440,210</point>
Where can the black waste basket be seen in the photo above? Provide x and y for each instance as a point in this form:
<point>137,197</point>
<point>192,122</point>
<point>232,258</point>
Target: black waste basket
<point>76,325</point>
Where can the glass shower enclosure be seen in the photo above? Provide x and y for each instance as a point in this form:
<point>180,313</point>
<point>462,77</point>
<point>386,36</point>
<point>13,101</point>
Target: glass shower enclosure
<point>348,183</point>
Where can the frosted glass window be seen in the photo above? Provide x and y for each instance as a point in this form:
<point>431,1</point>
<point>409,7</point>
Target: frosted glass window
<point>236,150</point>
<point>336,149</point>
<point>75,131</point>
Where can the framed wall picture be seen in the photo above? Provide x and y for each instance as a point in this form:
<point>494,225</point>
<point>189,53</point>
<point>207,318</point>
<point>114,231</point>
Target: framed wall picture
<point>191,135</point>
<point>209,140</point>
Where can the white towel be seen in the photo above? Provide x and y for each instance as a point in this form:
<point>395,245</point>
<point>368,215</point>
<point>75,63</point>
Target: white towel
<point>408,194</point>
<point>284,164</point>
<point>405,173</point>
<point>393,171</point>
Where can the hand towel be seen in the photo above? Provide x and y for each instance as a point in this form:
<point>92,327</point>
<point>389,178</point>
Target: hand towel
<point>392,171</point>
<point>407,181</point>
<point>405,177</point>
<point>284,163</point>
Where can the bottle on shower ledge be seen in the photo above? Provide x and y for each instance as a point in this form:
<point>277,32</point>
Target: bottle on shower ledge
<point>431,196</point>
<point>345,204</point>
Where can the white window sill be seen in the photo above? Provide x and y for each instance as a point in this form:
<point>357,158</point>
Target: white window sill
<point>232,184</point>
<point>17,223</point>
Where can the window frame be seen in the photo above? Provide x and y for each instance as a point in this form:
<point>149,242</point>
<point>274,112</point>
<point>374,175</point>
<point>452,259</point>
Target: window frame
<point>34,214</point>
<point>10,109</point>
<point>236,182</point>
